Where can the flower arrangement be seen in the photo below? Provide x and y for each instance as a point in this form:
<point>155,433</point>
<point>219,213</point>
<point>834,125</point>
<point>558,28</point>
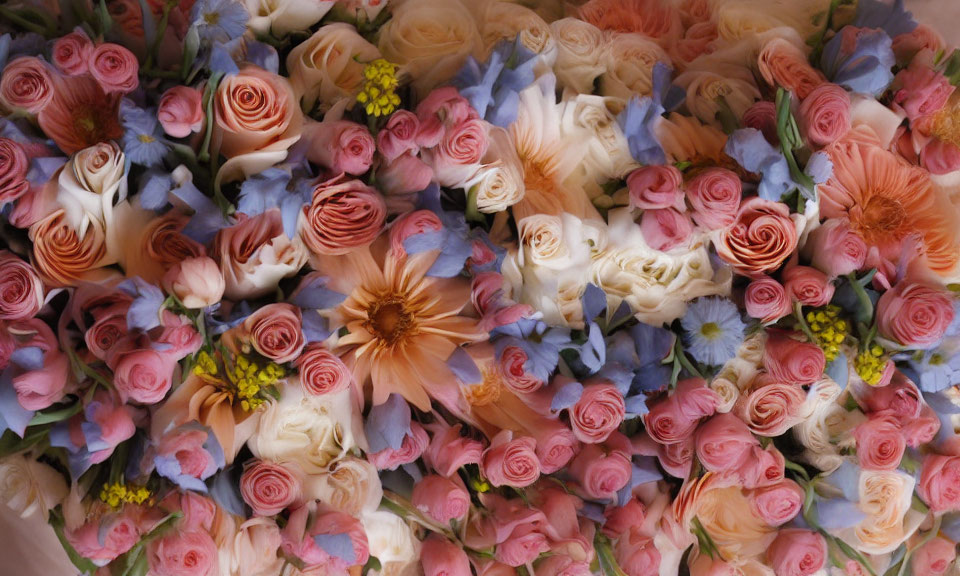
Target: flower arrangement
<point>618,287</point>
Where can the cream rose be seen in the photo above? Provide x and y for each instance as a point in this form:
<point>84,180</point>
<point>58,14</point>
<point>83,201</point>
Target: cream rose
<point>629,61</point>
<point>312,431</point>
<point>709,82</point>
<point>90,184</point>
<point>734,525</point>
<point>430,40</point>
<point>498,184</point>
<point>351,486</point>
<point>579,54</point>
<point>252,550</point>
<point>280,17</point>
<point>885,498</point>
<point>593,121</point>
<point>28,486</point>
<point>508,21</point>
<point>390,540</point>
<point>328,67</point>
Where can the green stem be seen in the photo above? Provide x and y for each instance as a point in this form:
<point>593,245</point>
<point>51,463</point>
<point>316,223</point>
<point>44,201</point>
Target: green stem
<point>26,24</point>
<point>208,106</point>
<point>158,39</point>
<point>798,314</point>
<point>685,362</point>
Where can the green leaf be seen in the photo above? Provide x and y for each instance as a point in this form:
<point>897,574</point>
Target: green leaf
<point>472,212</point>
<point>56,415</point>
<point>952,68</point>
<point>10,443</point>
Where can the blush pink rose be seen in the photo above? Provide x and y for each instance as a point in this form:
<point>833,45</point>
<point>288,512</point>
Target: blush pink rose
<point>620,519</point>
<point>441,557</point>
<point>601,474</point>
<point>180,111</point>
<point>783,63</point>
<point>923,429</point>
<point>21,290</point>
<point>724,442</point>
<point>665,229</point>
<point>405,174</point>
<point>914,314</point>
<point>276,332</point>
<point>298,539</point>
<point>656,187</point>
<point>115,421</point>
<point>562,565</point>
<point>198,511</point>
<point>763,467</point>
<point>106,333</point>
<point>695,399</point>
<point>556,445</point>
<point>487,296</point>
<point>766,300</point>
<point>825,114</point>
<point>808,286</point>
<point>677,458</point>
<point>636,554</point>
<point>321,371</point>
<point>343,215</point>
<point>900,398</point>
<point>880,442</point>
<point>71,53</point>
<point>183,554</point>
<point>179,334</point>
<point>778,504</point>
<point>13,171</point>
<point>598,412</point>
<point>115,68</point>
<point>442,108</point>
<point>714,195</point>
<point>413,446</point>
<point>934,558</point>
<point>762,116</point>
<point>939,484</point>
<point>791,361</point>
<point>923,90</point>
<point>523,546</point>
<point>797,552</point>
<point>513,359</point>
<point>835,249</point>
<point>511,461</point>
<point>673,418</point>
<point>460,151</point>
<point>760,239</point>
<point>26,84</point>
<point>341,146</point>
<point>102,540</point>
<point>196,281</point>
<point>448,451</point>
<point>411,224</point>
<point>269,488</point>
<point>399,135</point>
<point>441,499</point>
<point>773,408</point>
<point>143,375</point>
<point>187,446</point>
<point>940,157</point>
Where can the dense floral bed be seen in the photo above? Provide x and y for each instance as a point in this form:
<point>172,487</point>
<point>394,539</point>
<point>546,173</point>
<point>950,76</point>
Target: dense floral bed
<point>454,287</point>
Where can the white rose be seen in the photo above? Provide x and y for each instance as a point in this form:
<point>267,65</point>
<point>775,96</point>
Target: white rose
<point>328,66</point>
<point>710,82</point>
<point>351,485</point>
<point>579,51</point>
<point>28,486</point>
<point>594,118</point>
<point>739,20</point>
<point>498,184</point>
<point>725,385</point>
<point>90,184</point>
<point>312,431</point>
<point>430,40</point>
<point>252,550</point>
<point>281,17</point>
<point>629,61</point>
<point>885,497</point>
<point>507,21</point>
<point>390,539</point>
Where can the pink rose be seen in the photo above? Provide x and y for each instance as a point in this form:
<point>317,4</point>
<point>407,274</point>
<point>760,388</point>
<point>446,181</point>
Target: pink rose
<point>597,413</point>
<point>762,116</point>
<point>880,442</point>
<point>198,511</point>
<point>269,488</point>
<point>939,482</point>
<point>791,361</point>
<point>835,249</point>
<point>778,504</point>
<point>449,451</point>
<point>665,229</point>
<point>785,64</point>
<point>180,111</point>
<point>459,152</point>
<point>441,557</point>
<point>26,84</point>
<point>923,429</point>
<point>913,314</point>
<point>724,442</point>
<point>766,299</point>
<point>197,282</point>
<point>940,157</point>
<point>601,474</point>
<point>299,540</point>
<point>21,290</point>
<point>321,371</point>
<point>13,171</point>
<point>39,389</point>
<point>562,565</point>
<point>714,195</point>
<point>556,445</point>
<point>414,444</point>
<point>513,360</point>
<point>442,108</point>
<point>102,540</point>
<point>399,135</point>
<point>808,286</point>
<point>637,555</point>
<point>184,451</point>
<point>487,296</point>
<point>255,254</point>
<point>114,420</point>
<point>763,467</point>
<point>901,398</point>
<point>110,328</point>
<point>760,239</point>
<point>275,332</point>
<point>797,552</point>
<point>343,215</point>
<point>411,224</point>
<point>923,90</point>
<point>677,458</point>
<point>143,375</point>
<point>656,187</point>
<point>620,519</point>
<point>825,114</point>
<point>934,558</point>
<point>441,499</point>
<point>183,554</point>
<point>405,174</point>
<point>115,68</point>
<point>341,146</point>
<point>695,399</point>
<point>773,408</point>
<point>673,418</point>
<point>523,546</point>
<point>71,53</point>
<point>180,334</point>
<point>511,461</point>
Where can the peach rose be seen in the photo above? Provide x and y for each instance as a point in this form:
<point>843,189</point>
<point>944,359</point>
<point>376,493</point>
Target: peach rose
<point>783,64</point>
<point>760,239</point>
<point>160,247</point>
<point>835,249</point>
<point>649,18</point>
<point>26,84</point>
<point>180,111</point>
<point>321,371</point>
<point>62,257</point>
<point>340,146</point>
<point>808,286</point>
<point>714,195</point>
<point>275,331</point>
<point>511,461</point>
<point>766,299</point>
<point>71,53</point>
<point>21,290</point>
<point>344,214</point>
<point>196,281</point>
<point>825,114</point>
<point>115,68</point>
<point>269,488</point>
<point>914,314</point>
<point>256,119</point>
<point>597,413</point>
<point>773,408</point>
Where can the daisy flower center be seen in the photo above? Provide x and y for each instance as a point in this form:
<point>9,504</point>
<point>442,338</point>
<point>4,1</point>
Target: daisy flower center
<point>389,319</point>
<point>710,330</point>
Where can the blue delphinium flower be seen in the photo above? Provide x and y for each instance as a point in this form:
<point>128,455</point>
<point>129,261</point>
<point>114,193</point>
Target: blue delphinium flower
<point>219,20</point>
<point>493,87</point>
<point>752,151</point>
<point>860,60</point>
<point>638,118</point>
<point>142,137</point>
<point>937,370</point>
<point>541,343</point>
<point>713,330</point>
<point>892,18</point>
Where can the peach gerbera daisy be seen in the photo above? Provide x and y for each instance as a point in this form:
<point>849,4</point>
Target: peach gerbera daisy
<point>403,324</point>
<point>887,200</point>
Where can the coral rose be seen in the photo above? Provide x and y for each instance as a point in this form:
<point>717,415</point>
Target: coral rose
<point>760,239</point>
<point>344,214</point>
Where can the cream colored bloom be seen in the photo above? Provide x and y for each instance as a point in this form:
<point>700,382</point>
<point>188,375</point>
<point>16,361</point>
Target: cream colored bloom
<point>90,184</point>
<point>391,541</point>
<point>885,497</point>
<point>579,54</point>
<point>351,486</point>
<point>594,118</point>
<point>629,60</point>
<point>498,184</point>
<point>29,487</point>
<point>506,21</point>
<point>280,17</point>
<point>713,86</point>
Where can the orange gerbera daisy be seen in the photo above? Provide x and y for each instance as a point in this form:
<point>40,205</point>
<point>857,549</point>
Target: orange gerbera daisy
<point>403,325</point>
<point>887,200</point>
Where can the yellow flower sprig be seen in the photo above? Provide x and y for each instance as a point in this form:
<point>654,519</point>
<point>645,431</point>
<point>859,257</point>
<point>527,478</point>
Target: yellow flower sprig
<point>378,93</point>
<point>870,364</point>
<point>118,493</point>
<point>829,328</point>
<point>245,378</point>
